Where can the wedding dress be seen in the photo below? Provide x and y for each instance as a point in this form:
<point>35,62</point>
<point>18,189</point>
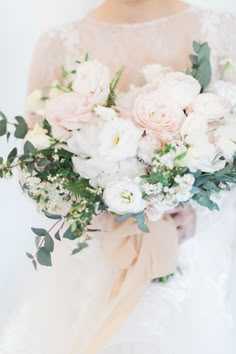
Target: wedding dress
<point>194,311</point>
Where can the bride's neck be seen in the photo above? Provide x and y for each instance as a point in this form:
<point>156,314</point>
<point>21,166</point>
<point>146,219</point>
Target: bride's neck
<point>132,11</point>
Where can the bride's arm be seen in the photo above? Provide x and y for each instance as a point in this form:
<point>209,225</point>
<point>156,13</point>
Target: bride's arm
<point>48,58</point>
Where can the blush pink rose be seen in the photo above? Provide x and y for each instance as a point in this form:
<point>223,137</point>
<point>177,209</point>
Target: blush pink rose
<point>211,106</point>
<point>180,88</point>
<point>92,81</point>
<point>158,116</point>
<point>68,111</point>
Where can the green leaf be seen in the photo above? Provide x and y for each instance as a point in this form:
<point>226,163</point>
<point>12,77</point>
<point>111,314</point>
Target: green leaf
<point>11,157</point>
<point>204,73</point>
<point>3,127</point>
<point>52,216</point>
<point>204,52</point>
<point>143,228</point>
<point>69,234</point>
<point>194,59</point>
<point>37,241</point>
<point>123,217</point>
<point>49,243</point>
<point>57,236</point>
<point>196,46</point>
<point>34,264</point>
<point>181,156</point>
<point>79,248</point>
<point>21,128</point>
<point>29,255</point>
<point>39,232</point>
<point>29,148</point>
<point>44,257</point>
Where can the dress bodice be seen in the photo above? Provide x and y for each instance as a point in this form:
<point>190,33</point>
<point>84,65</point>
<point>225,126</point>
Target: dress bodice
<point>167,41</point>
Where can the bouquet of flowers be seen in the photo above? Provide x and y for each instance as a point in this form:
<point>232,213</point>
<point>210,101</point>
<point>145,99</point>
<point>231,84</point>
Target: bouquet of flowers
<point>136,155</point>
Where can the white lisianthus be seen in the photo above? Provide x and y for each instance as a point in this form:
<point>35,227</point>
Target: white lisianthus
<point>201,154</point>
<point>105,113</point>
<point>147,146</point>
<point>194,123</point>
<point>155,72</point>
<point>131,168</point>
<point>38,136</point>
<point>91,168</point>
<point>226,140</point>
<point>113,140</point>
<point>34,103</point>
<point>119,140</point>
<point>123,197</point>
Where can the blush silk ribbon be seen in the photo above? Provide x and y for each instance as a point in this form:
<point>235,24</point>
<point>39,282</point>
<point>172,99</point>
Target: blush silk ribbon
<point>140,258</point>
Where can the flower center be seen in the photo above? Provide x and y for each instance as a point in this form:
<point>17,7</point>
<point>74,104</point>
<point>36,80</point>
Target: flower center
<point>126,196</point>
<point>116,140</point>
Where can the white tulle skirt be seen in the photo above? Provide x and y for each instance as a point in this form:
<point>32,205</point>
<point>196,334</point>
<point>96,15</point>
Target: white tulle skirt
<point>193,313</point>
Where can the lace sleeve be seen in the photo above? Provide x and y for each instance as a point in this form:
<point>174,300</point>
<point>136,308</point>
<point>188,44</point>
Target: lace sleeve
<point>219,30</point>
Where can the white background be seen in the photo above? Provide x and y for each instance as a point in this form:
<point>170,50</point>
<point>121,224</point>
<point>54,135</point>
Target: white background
<point>21,22</point>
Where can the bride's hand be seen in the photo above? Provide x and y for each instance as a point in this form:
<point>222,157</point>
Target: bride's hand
<point>185,220</point>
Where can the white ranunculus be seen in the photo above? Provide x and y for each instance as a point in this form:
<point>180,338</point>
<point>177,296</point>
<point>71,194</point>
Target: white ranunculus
<point>123,197</point>
<point>105,113</point>
<point>226,140</point>
<point>194,123</point>
<point>155,72</point>
<point>225,89</point>
<point>38,137</point>
<point>34,103</point>
<point>201,154</point>
<point>180,89</point>
<point>212,106</point>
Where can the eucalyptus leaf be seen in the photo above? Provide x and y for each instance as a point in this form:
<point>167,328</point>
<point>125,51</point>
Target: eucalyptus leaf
<point>29,255</point>
<point>11,157</point>
<point>44,257</point>
<point>52,216</point>
<point>39,232</point>
<point>21,128</point>
<point>79,248</point>
<point>3,127</point>
<point>29,148</point>
<point>69,234</point>
<point>49,243</point>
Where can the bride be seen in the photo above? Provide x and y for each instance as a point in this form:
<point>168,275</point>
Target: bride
<point>193,312</point>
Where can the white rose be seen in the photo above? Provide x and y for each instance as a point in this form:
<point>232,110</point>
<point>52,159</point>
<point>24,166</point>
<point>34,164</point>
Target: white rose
<point>155,72</point>
<point>211,106</point>
<point>123,197</point>
<point>226,140</point>
<point>105,113</point>
<point>39,138</point>
<point>194,123</point>
<point>201,154</point>
<point>34,103</point>
<point>180,89</point>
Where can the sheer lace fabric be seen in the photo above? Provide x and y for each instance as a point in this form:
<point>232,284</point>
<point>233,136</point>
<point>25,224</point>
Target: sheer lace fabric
<point>193,312</point>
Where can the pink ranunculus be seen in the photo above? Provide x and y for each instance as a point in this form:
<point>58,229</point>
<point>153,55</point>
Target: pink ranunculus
<point>69,111</point>
<point>180,88</point>
<point>158,116</point>
<point>92,81</point>
<point>211,106</point>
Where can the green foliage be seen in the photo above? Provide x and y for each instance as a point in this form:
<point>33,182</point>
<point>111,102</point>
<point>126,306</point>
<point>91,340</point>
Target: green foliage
<point>21,128</point>
<point>201,66</point>
<point>79,248</point>
<point>44,257</point>
<point>111,100</point>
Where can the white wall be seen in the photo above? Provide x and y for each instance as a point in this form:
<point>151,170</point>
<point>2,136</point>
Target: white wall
<point>21,22</point>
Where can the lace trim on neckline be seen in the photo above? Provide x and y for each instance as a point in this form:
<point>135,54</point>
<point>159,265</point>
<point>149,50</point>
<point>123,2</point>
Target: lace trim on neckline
<point>90,19</point>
